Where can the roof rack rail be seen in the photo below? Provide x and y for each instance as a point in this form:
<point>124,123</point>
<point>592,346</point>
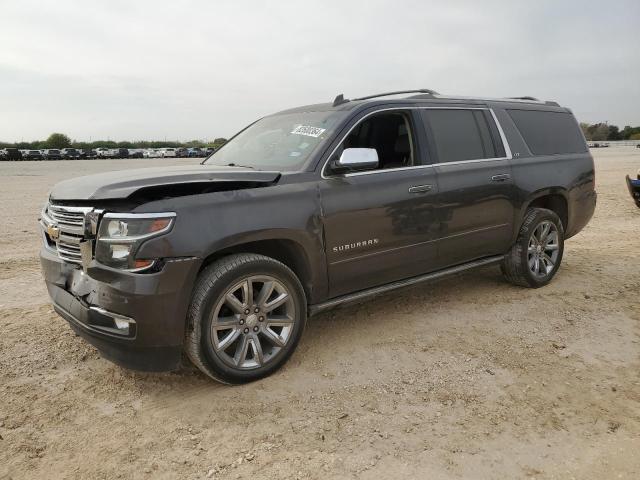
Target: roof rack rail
<point>425,92</point>
<point>399,92</point>
<point>533,99</point>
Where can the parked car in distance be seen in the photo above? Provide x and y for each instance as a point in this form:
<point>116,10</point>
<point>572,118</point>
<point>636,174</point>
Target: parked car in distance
<point>121,152</point>
<point>52,154</point>
<point>208,151</point>
<point>70,153</point>
<point>308,209</point>
<point>102,152</point>
<point>634,187</point>
<point>135,153</point>
<point>12,154</point>
<point>149,153</point>
<point>32,155</point>
<point>181,152</point>
<point>167,152</point>
<point>195,152</point>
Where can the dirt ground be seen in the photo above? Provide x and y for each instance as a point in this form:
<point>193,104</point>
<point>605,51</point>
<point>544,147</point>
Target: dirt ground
<point>466,378</point>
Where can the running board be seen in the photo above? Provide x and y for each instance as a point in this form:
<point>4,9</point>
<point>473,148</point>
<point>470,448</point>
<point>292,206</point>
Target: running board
<point>429,277</point>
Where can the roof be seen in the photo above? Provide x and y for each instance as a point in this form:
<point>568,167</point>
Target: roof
<point>417,96</point>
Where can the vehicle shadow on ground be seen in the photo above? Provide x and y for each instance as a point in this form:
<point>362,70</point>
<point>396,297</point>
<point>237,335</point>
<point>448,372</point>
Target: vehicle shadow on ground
<point>336,326</point>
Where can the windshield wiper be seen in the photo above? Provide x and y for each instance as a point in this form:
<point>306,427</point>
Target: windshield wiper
<point>241,166</point>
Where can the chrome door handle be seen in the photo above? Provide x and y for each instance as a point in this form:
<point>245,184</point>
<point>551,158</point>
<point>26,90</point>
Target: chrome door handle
<point>420,189</point>
<point>500,178</point>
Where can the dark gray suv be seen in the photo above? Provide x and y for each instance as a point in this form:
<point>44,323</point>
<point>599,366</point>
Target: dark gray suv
<point>308,209</point>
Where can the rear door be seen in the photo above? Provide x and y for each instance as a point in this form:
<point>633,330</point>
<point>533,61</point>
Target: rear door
<point>475,198</point>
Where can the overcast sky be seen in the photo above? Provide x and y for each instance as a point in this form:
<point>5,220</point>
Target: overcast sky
<point>127,69</point>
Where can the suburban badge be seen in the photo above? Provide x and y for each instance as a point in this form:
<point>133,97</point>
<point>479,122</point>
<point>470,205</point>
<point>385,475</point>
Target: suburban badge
<point>352,246</point>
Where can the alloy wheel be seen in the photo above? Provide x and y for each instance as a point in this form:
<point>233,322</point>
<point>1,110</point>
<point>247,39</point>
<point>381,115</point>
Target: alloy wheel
<point>252,322</point>
<point>543,249</point>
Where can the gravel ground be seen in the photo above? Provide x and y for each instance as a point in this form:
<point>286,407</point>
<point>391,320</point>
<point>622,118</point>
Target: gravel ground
<point>466,378</point>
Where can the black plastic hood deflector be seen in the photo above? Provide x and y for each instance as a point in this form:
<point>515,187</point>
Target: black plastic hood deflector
<point>124,183</point>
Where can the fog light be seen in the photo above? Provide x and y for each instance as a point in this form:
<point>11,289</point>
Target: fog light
<point>113,323</point>
<point>122,324</point>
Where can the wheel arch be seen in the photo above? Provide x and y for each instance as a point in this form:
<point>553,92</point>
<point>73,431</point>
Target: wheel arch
<point>554,199</point>
<point>289,251</point>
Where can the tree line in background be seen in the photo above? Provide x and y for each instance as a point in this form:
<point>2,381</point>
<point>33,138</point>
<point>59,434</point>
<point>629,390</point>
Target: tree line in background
<point>604,131</point>
<point>60,140</point>
<point>592,132</point>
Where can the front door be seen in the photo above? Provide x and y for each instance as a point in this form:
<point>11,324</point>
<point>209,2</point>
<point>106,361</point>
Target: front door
<point>380,225</point>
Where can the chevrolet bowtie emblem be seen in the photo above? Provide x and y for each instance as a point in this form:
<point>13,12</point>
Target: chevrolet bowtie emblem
<point>53,232</point>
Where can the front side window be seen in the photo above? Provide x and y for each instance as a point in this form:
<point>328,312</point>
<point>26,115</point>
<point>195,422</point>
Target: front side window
<point>460,135</point>
<point>389,134</point>
<point>280,142</point>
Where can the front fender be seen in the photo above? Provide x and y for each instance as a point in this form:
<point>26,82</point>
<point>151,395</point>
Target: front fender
<point>212,222</point>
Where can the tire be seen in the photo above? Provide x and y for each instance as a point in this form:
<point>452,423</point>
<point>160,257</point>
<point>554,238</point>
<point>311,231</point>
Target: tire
<point>535,258</point>
<point>233,346</point>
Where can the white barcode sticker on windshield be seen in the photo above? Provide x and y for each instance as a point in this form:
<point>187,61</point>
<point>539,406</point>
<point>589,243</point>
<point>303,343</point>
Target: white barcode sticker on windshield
<point>308,131</point>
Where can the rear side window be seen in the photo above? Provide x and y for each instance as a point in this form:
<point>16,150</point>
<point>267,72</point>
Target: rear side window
<point>461,135</point>
<point>549,133</point>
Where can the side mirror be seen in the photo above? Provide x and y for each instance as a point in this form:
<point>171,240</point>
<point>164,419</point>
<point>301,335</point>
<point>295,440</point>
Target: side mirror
<point>355,159</point>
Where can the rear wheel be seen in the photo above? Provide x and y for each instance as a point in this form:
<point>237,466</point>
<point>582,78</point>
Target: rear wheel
<point>246,317</point>
<point>536,256</point>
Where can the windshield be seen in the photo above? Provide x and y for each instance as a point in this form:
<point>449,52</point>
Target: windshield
<point>279,142</point>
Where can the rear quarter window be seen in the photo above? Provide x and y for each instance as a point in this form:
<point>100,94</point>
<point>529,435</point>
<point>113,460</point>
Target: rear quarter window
<point>549,133</point>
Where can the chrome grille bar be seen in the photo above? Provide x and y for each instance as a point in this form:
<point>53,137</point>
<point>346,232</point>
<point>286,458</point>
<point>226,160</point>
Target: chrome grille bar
<point>71,216</point>
<point>70,223</point>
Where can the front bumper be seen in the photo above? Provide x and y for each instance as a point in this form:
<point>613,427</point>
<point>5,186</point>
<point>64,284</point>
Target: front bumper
<point>154,305</point>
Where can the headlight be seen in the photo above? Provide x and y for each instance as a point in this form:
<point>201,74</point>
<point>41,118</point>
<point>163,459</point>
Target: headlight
<point>120,236</point>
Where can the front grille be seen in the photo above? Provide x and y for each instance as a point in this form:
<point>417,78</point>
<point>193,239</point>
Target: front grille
<point>69,249</point>
<point>70,225</point>
<point>68,216</point>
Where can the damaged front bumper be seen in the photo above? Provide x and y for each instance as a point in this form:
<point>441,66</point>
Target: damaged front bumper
<point>135,320</point>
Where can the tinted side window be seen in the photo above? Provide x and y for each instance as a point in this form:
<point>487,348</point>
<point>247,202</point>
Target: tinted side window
<point>460,134</point>
<point>549,133</point>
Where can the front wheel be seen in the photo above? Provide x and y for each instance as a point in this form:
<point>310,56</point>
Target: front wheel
<point>535,257</point>
<point>246,318</point>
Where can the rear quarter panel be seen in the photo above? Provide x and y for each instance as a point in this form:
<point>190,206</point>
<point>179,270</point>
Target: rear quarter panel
<point>569,175</point>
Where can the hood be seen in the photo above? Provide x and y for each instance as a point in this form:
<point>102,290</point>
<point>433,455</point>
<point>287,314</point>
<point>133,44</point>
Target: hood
<point>124,183</point>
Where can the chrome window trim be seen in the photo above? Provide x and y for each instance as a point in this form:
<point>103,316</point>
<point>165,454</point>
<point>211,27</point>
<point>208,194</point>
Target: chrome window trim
<point>507,149</point>
<point>503,137</point>
<point>462,162</point>
<point>373,172</point>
